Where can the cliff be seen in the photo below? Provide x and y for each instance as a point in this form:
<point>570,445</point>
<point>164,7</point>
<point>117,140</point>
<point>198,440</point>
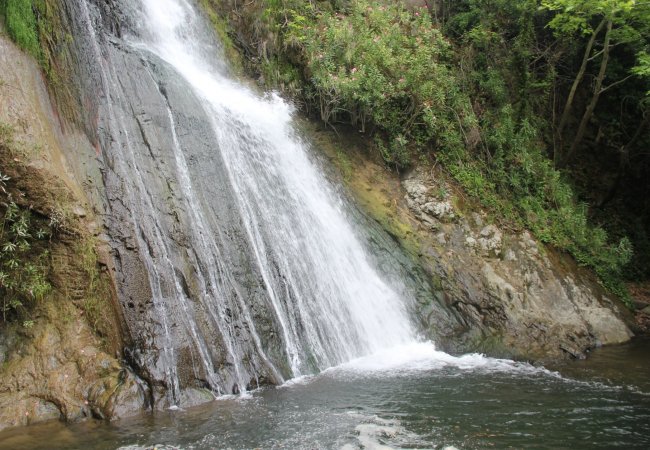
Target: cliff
<point>61,356</point>
<point>515,296</point>
<point>151,304</point>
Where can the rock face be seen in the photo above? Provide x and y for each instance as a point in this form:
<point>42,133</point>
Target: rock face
<point>188,288</point>
<point>193,309</point>
<point>516,297</point>
<point>58,370</point>
<point>490,290</point>
<point>63,366</point>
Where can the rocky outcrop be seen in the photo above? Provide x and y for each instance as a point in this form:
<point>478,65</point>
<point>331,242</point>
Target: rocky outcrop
<point>640,292</point>
<point>516,296</point>
<point>67,363</point>
<point>509,295</point>
<point>58,369</point>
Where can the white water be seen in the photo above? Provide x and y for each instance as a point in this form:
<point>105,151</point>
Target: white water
<point>422,357</point>
<point>326,295</point>
<point>331,303</point>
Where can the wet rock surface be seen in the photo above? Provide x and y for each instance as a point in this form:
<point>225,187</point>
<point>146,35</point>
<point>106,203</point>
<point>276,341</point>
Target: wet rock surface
<point>476,287</point>
<point>57,370</point>
<point>62,366</point>
<point>177,296</point>
<point>489,289</point>
<point>196,310</point>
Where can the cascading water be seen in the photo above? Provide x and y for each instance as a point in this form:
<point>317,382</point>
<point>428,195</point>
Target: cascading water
<point>324,291</point>
<point>239,263</point>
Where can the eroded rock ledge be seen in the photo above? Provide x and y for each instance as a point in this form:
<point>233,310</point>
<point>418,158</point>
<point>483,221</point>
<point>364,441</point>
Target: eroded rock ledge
<point>513,292</point>
<point>512,296</point>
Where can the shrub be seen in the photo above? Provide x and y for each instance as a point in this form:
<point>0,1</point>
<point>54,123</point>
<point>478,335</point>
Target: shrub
<point>23,257</point>
<point>377,66</point>
<point>24,243</point>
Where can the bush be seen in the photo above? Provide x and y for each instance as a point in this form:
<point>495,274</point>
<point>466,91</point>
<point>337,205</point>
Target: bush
<point>24,243</point>
<point>377,66</point>
<point>23,257</point>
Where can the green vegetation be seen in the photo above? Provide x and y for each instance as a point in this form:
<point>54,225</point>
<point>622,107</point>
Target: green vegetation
<point>24,254</point>
<point>383,67</point>
<point>220,27</point>
<point>619,22</point>
<point>46,254</point>
<point>96,290</point>
<point>498,91</point>
<point>24,263</point>
<point>38,27</point>
<point>21,24</point>
<point>568,74</point>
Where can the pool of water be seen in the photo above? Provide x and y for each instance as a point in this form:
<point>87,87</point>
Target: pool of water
<point>412,397</point>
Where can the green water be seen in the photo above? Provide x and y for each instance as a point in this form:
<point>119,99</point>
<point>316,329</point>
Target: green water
<point>471,403</point>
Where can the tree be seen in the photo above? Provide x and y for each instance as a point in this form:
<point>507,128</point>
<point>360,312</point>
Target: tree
<point>618,22</point>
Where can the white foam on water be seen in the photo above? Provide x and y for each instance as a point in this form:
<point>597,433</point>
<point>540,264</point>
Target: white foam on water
<point>301,380</point>
<point>377,433</point>
<point>423,356</point>
<point>245,395</point>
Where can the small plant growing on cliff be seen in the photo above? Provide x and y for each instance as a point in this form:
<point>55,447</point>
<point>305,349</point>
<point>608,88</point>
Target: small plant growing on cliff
<point>23,259</point>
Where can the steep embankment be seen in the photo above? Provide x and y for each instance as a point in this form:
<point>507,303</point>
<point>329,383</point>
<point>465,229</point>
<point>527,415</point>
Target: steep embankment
<point>60,350</point>
<point>516,297</point>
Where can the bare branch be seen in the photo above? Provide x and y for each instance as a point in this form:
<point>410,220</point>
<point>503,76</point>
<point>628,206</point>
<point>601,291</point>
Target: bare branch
<point>606,88</point>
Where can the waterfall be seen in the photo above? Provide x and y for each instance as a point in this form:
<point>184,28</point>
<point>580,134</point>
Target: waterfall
<point>254,269</point>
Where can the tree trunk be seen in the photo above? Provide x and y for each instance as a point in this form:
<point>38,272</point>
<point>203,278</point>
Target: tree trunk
<point>578,79</point>
<point>582,128</point>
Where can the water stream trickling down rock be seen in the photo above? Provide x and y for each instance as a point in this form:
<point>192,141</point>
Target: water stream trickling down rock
<point>236,261</point>
<point>238,264</point>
